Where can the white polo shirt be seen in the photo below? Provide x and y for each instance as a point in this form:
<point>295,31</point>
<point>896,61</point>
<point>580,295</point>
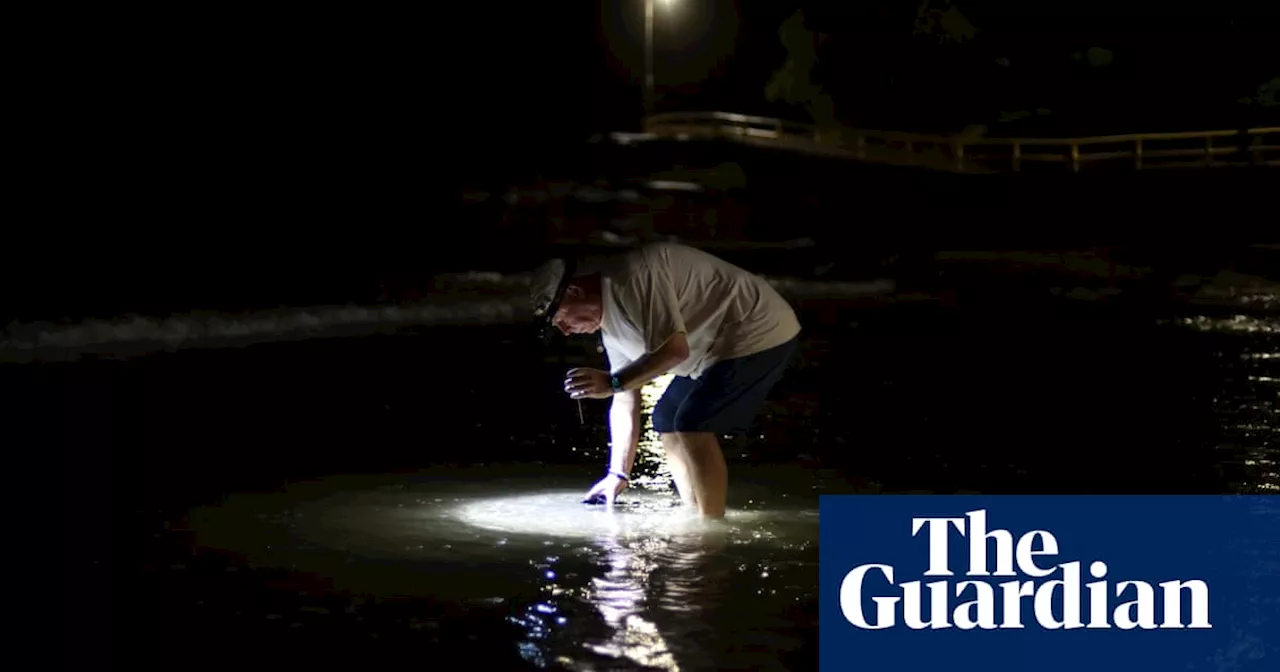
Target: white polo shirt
<point>661,289</point>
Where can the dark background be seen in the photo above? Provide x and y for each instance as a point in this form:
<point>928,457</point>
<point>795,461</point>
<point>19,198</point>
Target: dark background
<point>234,159</point>
<point>296,154</point>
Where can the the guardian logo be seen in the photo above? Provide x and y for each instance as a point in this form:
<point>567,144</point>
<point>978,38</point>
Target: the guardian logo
<point>1036,581</point>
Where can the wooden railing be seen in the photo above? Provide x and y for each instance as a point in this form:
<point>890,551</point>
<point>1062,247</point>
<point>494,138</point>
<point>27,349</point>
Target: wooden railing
<point>981,154</point>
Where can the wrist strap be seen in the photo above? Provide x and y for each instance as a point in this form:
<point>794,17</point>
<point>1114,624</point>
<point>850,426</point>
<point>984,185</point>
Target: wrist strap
<point>621,475</point>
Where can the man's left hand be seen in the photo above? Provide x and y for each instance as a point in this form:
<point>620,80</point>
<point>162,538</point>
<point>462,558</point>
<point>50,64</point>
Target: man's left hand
<point>588,383</point>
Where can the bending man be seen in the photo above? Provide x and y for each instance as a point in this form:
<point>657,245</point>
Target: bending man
<point>724,333</point>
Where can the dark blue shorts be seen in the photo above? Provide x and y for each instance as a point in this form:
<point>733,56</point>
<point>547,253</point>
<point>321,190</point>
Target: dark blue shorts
<point>726,397</point>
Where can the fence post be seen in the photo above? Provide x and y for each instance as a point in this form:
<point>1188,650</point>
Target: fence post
<point>1075,157</point>
<point>1017,156</point>
<point>959,151</point>
<point>1137,154</point>
<point>1208,151</point>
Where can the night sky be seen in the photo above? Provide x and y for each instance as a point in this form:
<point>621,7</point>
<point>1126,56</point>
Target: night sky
<point>471,85</point>
<point>373,95</point>
<point>321,138</point>
<point>296,137</point>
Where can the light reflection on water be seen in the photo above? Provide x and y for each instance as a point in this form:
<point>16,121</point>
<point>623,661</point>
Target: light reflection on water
<point>1248,401</point>
<point>647,586</point>
<point>1236,323</point>
<point>620,595</point>
<point>667,583</point>
<point>651,469</point>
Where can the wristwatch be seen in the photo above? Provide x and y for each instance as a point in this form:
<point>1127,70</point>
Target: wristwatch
<point>615,383</point>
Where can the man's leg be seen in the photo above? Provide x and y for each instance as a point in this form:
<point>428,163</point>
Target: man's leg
<point>708,475</point>
<point>724,400</point>
<point>678,458</point>
<point>664,414</point>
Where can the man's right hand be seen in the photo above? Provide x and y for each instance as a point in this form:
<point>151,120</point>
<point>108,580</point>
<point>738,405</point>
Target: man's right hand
<point>607,487</point>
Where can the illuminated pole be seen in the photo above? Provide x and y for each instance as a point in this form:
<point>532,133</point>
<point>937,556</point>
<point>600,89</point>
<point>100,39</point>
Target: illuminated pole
<point>648,57</point>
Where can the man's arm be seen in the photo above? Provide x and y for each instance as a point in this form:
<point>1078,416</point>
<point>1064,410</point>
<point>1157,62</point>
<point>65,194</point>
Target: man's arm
<point>624,430</point>
<point>624,411</point>
<point>670,354</point>
<point>650,298</point>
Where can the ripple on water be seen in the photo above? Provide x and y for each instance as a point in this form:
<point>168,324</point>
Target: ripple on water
<point>646,586</point>
<point>1247,402</point>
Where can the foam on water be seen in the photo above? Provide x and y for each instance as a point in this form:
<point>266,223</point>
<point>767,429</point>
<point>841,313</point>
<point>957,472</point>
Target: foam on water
<point>458,300</point>
<point>139,335</point>
<point>476,298</point>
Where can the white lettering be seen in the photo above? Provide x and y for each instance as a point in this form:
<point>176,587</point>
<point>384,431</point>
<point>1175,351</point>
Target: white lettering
<point>1098,596</point>
<point>938,565</point>
<point>1173,604</point>
<point>1015,555</point>
<point>985,605</point>
<point>1026,552</point>
<point>978,537</point>
<point>1014,591</point>
<point>1123,615</point>
<point>937,606</point>
<point>851,598</point>
<point>1070,584</point>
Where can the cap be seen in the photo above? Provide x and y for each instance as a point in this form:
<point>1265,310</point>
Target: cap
<point>547,287</point>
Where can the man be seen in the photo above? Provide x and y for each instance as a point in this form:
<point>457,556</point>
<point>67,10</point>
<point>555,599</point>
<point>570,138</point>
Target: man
<point>725,333</point>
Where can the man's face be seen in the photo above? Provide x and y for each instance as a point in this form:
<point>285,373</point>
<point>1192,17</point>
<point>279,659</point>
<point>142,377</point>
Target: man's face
<point>577,314</point>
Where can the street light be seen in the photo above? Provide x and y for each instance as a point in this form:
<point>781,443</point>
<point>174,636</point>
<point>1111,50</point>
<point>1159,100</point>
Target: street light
<point>648,55</point>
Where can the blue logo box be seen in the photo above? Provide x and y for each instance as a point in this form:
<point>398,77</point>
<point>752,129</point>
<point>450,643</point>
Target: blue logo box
<point>1095,583</point>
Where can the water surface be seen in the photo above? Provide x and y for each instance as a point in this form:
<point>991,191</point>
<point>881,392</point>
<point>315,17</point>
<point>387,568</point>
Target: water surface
<point>644,586</point>
<point>343,502</point>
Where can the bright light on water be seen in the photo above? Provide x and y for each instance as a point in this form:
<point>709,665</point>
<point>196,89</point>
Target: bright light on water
<point>560,514</point>
<point>1233,324</point>
<point>620,598</point>
<point>1248,402</point>
<point>649,585</point>
<point>649,450</point>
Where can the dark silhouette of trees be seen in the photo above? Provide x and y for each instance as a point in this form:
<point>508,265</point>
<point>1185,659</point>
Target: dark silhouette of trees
<point>978,66</point>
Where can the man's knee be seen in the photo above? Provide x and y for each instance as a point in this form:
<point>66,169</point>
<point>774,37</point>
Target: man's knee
<point>693,440</point>
<point>695,416</point>
<point>680,420</point>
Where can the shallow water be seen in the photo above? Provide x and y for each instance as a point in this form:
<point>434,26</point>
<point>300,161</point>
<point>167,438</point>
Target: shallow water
<point>340,502</point>
<point>1246,399</point>
<point>645,586</point>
